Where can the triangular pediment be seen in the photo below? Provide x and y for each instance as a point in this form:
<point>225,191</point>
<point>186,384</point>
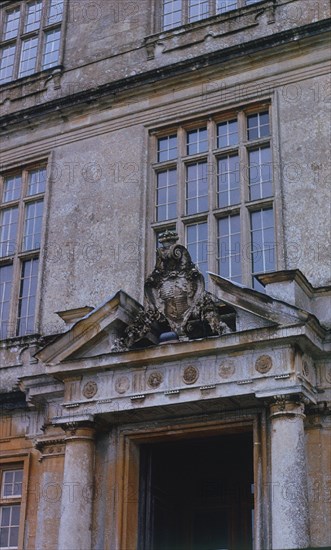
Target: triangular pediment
<point>96,333</point>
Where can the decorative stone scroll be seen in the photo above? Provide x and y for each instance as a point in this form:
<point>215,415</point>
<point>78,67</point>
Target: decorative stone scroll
<point>176,289</point>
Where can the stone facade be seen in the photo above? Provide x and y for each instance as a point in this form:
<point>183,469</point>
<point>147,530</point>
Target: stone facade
<point>121,360</point>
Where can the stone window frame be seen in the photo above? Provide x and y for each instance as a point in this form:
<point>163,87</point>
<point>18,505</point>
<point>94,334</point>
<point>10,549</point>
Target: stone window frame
<point>186,18</point>
<point>15,255</point>
<point>244,208</point>
<point>38,34</point>
<point>10,463</point>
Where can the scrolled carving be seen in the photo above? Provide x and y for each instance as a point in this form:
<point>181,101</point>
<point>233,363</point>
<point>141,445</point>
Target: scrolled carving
<point>176,299</point>
<point>176,289</point>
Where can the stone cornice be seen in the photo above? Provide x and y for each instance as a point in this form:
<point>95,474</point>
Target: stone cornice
<point>178,69</point>
<point>238,341</point>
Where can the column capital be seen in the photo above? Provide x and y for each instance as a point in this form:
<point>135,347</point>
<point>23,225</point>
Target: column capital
<point>77,427</point>
<point>287,406</point>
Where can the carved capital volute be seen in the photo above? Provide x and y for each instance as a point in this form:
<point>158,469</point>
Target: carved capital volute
<point>287,407</point>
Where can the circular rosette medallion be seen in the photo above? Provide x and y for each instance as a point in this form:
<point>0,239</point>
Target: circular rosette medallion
<point>226,369</point>
<point>90,389</point>
<point>263,364</point>
<point>155,379</point>
<point>190,375</point>
<point>122,384</point>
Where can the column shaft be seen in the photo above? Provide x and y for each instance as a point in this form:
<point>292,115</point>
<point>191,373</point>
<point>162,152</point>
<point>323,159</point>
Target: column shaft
<point>77,494</point>
<point>290,513</point>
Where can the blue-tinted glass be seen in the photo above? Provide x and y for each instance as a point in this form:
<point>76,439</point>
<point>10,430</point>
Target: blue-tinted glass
<point>223,6</point>
<point>12,21</point>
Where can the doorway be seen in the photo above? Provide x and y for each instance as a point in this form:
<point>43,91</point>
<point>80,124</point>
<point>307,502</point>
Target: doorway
<point>196,494</point>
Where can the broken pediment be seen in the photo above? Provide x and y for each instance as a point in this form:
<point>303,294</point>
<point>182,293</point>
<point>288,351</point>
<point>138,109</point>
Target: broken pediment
<point>257,304</point>
<point>177,307</point>
<point>96,333</point>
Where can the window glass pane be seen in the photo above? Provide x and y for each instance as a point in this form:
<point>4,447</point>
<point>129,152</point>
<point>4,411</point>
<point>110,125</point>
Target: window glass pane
<point>197,245</point>
<point>262,243</point>
<point>166,195</point>
<point>223,6</point>
<point>260,173</point>
<point>258,125</point>
<point>55,11</point>
<point>36,181</point>
<point>6,277</point>
<point>27,297</point>
<point>28,57</point>
<point>7,57</point>
<point>196,188</point>
<point>227,133</point>
<point>12,21</point>
<point>229,251</point>
<point>9,523</point>
<point>4,537</point>
<point>5,516</point>
<point>51,48</point>
<point>32,225</point>
<point>12,188</point>
<point>33,16</point>
<point>228,181</point>
<point>198,9</point>
<point>172,14</point>
<point>247,2</point>
<point>197,141</point>
<point>12,483</point>
<point>8,231</point>
<point>167,148</point>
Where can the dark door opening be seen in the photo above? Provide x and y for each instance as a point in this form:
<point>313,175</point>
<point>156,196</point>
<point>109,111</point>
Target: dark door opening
<point>196,494</point>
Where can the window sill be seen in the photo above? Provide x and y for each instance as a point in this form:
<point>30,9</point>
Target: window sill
<point>33,78</point>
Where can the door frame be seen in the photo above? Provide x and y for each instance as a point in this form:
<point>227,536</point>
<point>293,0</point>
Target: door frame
<point>127,474</point>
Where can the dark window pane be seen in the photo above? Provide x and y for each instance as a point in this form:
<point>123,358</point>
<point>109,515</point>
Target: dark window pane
<point>166,195</point>
<point>27,298</point>
<point>227,133</point>
<point>55,11</point>
<point>12,20</point>
<point>198,9</point>
<point>36,181</point>
<point>223,6</point>
<point>167,148</point>
<point>51,48</point>
<point>33,15</point>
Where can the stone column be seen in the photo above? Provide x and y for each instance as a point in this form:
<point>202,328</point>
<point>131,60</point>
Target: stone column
<point>77,491</point>
<point>289,503</point>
